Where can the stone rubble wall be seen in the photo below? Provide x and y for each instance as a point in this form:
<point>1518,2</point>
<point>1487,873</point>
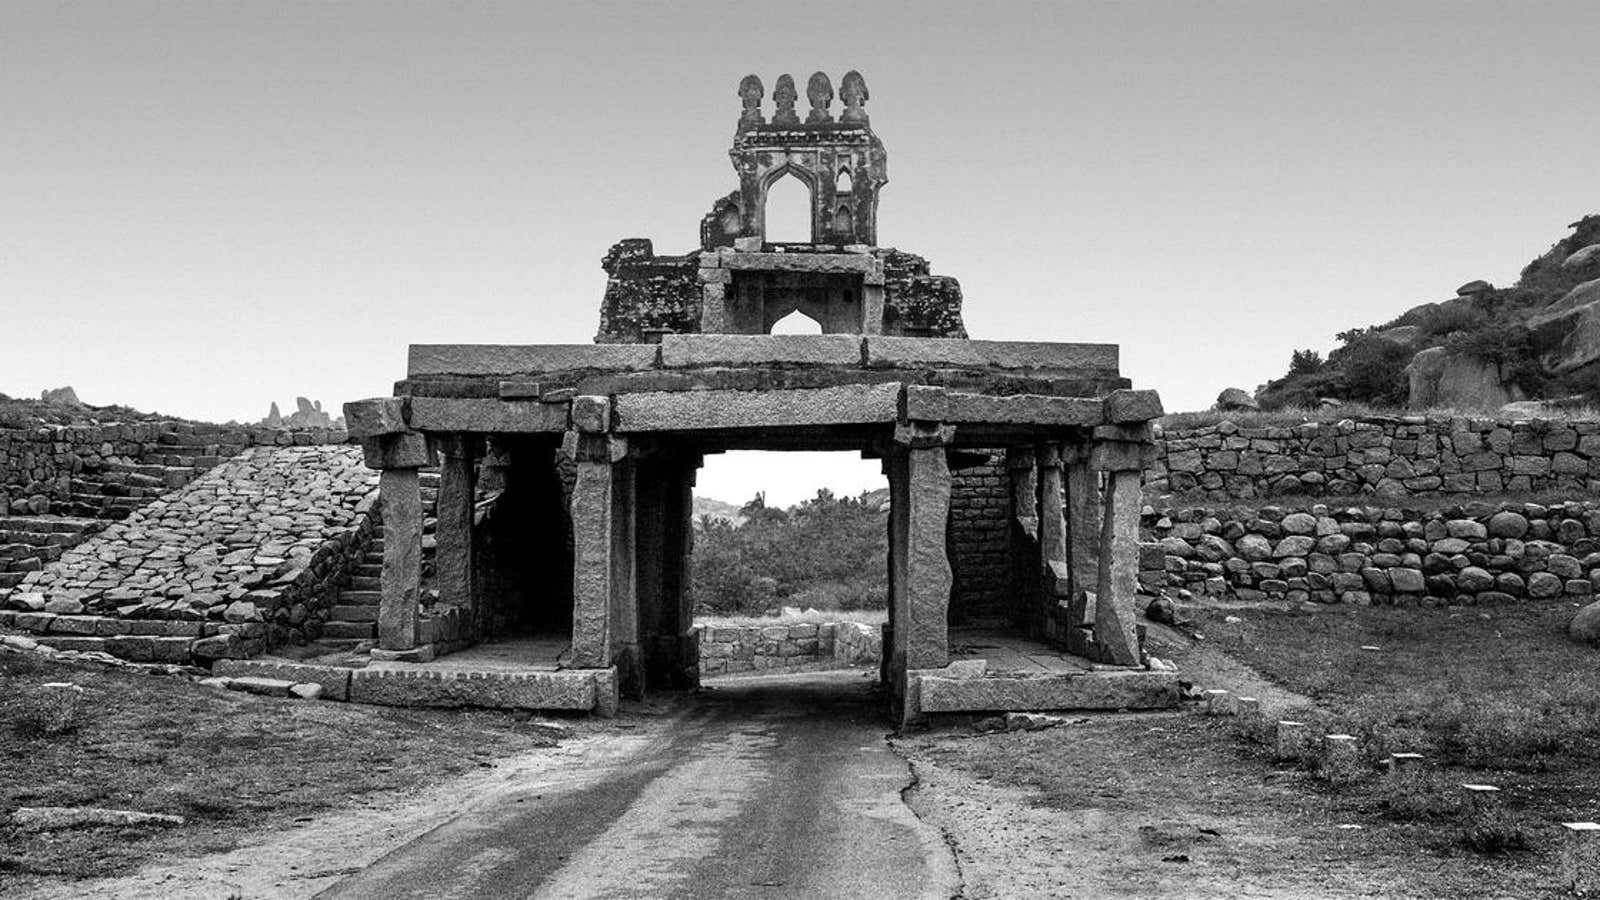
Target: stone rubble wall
<point>107,471</point>
<point>728,649</point>
<point>249,556</point>
<point>1479,553</point>
<point>980,537</point>
<point>1390,456</point>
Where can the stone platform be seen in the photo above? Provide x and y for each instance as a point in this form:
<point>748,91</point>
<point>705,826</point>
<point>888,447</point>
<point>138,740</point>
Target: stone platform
<point>993,671</point>
<point>515,674</point>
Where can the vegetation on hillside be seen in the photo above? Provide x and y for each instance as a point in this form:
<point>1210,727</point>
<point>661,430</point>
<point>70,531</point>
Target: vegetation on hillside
<point>1492,325</point>
<point>826,553</point>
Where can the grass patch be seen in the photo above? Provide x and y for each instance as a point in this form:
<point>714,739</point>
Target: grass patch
<point>228,762</point>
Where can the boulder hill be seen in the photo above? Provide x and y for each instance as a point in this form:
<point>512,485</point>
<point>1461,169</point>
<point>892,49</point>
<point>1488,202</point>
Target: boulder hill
<point>1536,340</point>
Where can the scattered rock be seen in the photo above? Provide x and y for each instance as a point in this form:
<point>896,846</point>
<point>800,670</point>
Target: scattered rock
<point>63,395</point>
<point>1031,721</point>
<point>1585,625</point>
<point>56,818</point>
<point>269,687</point>
<point>1234,399</point>
<point>307,691</point>
<point>1162,610</point>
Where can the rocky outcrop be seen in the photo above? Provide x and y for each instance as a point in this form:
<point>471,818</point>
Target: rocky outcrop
<point>1235,399</point>
<point>62,395</point>
<point>307,414</point>
<point>1582,257</point>
<point>1585,625</point>
<point>1438,379</point>
<point>1569,329</point>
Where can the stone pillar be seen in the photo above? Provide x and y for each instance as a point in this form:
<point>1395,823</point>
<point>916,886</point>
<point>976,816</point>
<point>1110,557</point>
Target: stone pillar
<point>1118,569</point>
<point>1025,559</point>
<point>888,663</point>
<point>399,456</point>
<point>1052,526</point>
<point>592,566</point>
<point>1083,529</point>
<point>453,556</point>
<point>624,579</point>
<point>919,510</point>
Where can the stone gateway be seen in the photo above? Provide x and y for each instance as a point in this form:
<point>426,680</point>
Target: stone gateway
<point>564,506</point>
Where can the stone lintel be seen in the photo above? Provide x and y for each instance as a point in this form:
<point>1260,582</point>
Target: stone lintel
<point>522,390</point>
<point>1105,689</point>
<point>684,350</point>
<point>1017,409</point>
<point>1029,355</point>
<point>1132,406</point>
<point>515,359</point>
<point>711,410</point>
<point>409,450</point>
<point>373,418</point>
<point>829,263</point>
<point>486,416</point>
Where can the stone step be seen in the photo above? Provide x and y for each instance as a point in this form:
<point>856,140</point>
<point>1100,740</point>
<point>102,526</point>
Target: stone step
<point>23,552</point>
<point>47,524</point>
<point>362,613</point>
<point>369,569</point>
<point>364,582</point>
<point>336,630</point>
<point>355,598</point>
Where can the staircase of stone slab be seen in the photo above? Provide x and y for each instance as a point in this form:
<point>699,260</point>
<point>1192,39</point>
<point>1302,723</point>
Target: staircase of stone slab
<point>29,543</point>
<point>354,617</point>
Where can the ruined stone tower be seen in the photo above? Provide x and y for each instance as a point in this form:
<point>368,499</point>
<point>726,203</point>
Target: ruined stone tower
<point>738,282</point>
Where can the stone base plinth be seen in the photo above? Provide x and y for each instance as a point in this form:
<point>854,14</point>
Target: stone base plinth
<point>435,684</point>
<point>1096,689</point>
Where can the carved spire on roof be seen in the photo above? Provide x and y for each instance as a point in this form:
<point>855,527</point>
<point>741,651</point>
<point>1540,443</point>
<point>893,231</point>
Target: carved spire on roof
<point>750,94</point>
<point>853,91</point>
<point>784,94</point>
<point>819,90</point>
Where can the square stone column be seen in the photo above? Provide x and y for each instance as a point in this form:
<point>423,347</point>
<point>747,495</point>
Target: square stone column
<point>398,457</point>
<point>624,580</point>
<point>453,557</point>
<point>592,547</point>
<point>919,511</point>
<point>1052,514</point>
<point>1084,513</point>
<point>1026,563</point>
<point>1119,569</point>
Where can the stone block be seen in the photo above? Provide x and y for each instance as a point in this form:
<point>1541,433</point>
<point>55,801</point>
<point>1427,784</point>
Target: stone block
<point>254,684</point>
<point>374,418</point>
<point>1105,689</point>
<point>405,684</point>
<point>498,359</point>
<point>712,410</point>
<point>591,415</point>
<point>907,352</point>
<point>410,450</point>
<point>1020,409</point>
<point>828,263</point>
<point>1132,406</point>
<point>688,350</point>
<point>446,414</point>
<point>335,681</point>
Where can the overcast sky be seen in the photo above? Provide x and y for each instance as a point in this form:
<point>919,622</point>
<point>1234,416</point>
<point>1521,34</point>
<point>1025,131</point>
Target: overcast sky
<point>205,207</point>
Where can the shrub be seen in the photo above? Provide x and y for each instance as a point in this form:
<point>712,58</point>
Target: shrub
<point>1493,830</point>
<point>1416,794</point>
<point>1304,362</point>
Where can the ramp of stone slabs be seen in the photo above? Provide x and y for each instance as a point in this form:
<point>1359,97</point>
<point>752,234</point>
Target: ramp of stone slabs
<point>239,547</point>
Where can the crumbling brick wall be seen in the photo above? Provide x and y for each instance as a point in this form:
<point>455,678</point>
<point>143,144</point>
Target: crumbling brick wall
<point>648,294</point>
<point>980,546</point>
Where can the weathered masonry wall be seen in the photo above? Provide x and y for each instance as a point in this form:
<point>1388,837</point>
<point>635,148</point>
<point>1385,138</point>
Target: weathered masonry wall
<point>1410,455</point>
<point>107,471</point>
<point>729,649</point>
<point>980,538</point>
<point>1477,554</point>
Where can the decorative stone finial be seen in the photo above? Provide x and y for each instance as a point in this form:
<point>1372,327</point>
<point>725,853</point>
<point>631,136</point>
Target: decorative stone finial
<point>750,94</point>
<point>853,91</point>
<point>819,90</point>
<point>784,94</point>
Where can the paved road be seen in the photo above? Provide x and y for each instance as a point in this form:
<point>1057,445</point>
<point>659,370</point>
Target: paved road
<point>780,786</point>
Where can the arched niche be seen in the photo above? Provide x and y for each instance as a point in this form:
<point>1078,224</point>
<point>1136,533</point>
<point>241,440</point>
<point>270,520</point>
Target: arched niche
<point>787,207</point>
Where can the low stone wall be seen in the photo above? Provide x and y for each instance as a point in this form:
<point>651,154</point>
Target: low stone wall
<point>249,556</point>
<point>1395,456</point>
<point>108,471</point>
<point>1480,553</point>
<point>727,649</point>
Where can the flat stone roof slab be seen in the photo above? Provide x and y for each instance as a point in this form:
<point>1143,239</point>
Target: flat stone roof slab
<point>685,350</point>
<point>918,352</point>
<point>710,410</point>
<point>515,359</point>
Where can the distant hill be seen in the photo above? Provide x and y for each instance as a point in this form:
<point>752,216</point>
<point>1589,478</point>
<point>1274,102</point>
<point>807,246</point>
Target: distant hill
<point>62,408</point>
<point>1538,339</point>
<point>717,509</point>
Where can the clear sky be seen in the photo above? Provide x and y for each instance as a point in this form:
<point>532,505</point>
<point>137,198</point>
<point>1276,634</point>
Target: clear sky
<point>205,207</point>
